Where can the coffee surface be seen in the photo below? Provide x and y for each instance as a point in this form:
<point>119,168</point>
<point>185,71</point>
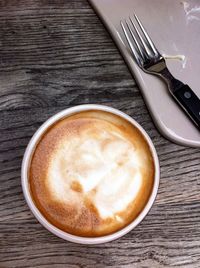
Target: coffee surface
<point>91,173</point>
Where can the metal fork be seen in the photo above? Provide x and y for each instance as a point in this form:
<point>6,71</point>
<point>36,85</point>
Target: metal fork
<point>151,61</point>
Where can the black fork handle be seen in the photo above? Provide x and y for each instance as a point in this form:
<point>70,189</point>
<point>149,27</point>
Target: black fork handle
<point>184,96</point>
<point>189,101</point>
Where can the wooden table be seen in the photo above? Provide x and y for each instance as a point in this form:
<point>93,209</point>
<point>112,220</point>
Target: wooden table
<point>54,55</point>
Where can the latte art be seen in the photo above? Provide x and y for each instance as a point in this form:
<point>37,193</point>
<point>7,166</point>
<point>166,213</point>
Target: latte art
<point>106,169</point>
<point>91,174</point>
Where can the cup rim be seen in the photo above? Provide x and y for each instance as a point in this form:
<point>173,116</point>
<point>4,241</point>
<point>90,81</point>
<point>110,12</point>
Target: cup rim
<point>25,185</point>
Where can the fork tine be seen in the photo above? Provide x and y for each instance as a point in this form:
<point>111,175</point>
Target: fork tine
<point>153,47</point>
<point>133,49</point>
<point>135,39</point>
<point>140,37</point>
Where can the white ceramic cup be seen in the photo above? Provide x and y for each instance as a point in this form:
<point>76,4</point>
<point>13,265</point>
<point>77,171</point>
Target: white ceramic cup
<point>26,189</point>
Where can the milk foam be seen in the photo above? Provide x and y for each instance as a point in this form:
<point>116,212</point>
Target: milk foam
<point>105,164</point>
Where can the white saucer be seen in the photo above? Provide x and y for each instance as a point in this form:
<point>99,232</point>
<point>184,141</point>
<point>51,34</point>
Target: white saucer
<point>174,26</point>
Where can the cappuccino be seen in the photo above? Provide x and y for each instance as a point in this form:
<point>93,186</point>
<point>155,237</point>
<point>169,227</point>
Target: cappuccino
<point>91,173</point>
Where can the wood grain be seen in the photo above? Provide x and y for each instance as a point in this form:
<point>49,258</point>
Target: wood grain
<point>54,55</point>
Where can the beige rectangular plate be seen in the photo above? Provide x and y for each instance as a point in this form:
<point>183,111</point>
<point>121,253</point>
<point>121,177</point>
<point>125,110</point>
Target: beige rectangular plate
<point>175,28</point>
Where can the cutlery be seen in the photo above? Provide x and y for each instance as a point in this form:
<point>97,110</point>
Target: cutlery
<point>150,60</point>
